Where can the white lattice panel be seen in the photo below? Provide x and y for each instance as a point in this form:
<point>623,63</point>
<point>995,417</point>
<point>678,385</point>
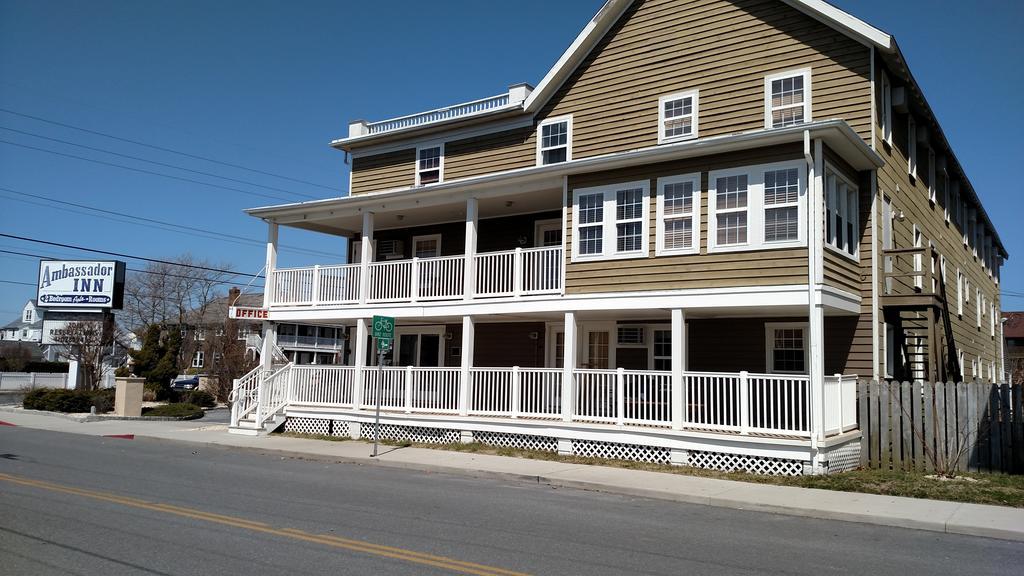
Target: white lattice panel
<point>420,434</point>
<point>521,441</point>
<point>340,428</point>
<point>319,426</point>
<point>616,451</point>
<point>745,463</point>
<point>844,458</point>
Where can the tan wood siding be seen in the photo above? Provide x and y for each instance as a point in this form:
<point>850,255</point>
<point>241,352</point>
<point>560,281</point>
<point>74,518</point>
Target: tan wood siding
<point>911,198</point>
<point>489,153</point>
<point>384,171</point>
<point>704,270</point>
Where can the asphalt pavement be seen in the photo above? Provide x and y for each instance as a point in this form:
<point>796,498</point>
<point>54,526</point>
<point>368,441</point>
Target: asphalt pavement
<point>77,504</point>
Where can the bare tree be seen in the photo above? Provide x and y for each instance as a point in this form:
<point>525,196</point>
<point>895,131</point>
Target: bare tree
<point>90,343</point>
<point>229,359</point>
<point>169,294</point>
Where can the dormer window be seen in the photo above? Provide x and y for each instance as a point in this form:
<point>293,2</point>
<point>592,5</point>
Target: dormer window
<point>28,315</point>
<point>787,99</point>
<point>554,141</point>
<point>677,117</point>
<point>429,164</point>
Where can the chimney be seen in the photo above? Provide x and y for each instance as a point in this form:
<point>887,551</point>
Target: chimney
<point>233,295</point>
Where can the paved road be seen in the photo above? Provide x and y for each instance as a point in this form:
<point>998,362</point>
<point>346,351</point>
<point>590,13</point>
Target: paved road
<point>72,504</point>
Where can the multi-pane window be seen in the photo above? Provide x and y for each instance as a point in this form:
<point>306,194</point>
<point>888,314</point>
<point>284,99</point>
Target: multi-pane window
<point>786,348</point>
<point>677,117</point>
<point>788,99</point>
<point>841,213</point>
<point>554,140</point>
<point>677,222</point>
<point>630,336</point>
<point>959,292</point>
<point>731,209</point>
<point>197,359</point>
<point>428,246</point>
<point>757,207</point>
<point>590,230</point>
<point>782,205</point>
<point>199,334</point>
<point>629,209</point>
<point>662,349</point>
<point>429,164</point>
<point>28,315</point>
<point>611,221</point>
<point>886,111</point>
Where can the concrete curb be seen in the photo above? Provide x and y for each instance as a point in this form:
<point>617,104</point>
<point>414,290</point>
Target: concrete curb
<point>944,521</point>
<point>85,417</point>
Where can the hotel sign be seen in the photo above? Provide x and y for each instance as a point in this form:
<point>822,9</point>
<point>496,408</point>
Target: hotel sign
<point>248,313</point>
<point>80,284</point>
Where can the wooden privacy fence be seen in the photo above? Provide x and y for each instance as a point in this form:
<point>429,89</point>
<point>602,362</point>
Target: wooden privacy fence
<point>941,426</point>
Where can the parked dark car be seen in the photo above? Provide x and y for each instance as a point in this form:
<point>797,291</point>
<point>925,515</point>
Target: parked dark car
<point>186,383</point>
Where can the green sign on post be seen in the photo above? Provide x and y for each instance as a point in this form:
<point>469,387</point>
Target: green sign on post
<point>383,327</point>
<point>383,345</point>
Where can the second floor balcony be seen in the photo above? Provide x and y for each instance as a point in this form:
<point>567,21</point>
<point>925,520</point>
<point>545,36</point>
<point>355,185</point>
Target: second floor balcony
<point>501,274</point>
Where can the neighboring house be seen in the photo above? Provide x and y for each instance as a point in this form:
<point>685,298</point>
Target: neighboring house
<point>27,328</point>
<point>667,249</point>
<point>1013,342</point>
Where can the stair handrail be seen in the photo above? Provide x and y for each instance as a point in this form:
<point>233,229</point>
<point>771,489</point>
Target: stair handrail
<point>274,394</point>
<point>243,394</point>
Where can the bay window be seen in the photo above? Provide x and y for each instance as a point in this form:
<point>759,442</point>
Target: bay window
<point>757,207</point>
<point>678,215</point>
<point>842,226</point>
<point>611,221</point>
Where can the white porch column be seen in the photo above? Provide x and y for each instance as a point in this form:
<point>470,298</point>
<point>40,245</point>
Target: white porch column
<point>679,401</point>
<point>270,265</point>
<point>569,343</point>
<point>469,280</point>
<point>815,309</point>
<point>269,341</point>
<point>365,255</point>
<point>465,379</point>
<point>359,362</point>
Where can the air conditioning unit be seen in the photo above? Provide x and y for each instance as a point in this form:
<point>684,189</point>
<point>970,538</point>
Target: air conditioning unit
<point>390,249</point>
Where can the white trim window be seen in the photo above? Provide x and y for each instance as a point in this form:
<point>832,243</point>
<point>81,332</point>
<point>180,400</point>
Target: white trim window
<point>554,140</point>
<point>198,359</point>
<point>932,188</point>
<point>978,304</point>
<point>842,220</point>
<point>911,146</point>
<point>757,207</point>
<point>661,352</point>
<point>886,109</point>
<point>678,215</point>
<point>786,346</point>
<point>199,335</point>
<point>787,98</point>
<point>426,246</point>
<point>611,221</point>
<point>959,293</point>
<point>429,164</point>
<point>677,116</point>
<point>631,336</point>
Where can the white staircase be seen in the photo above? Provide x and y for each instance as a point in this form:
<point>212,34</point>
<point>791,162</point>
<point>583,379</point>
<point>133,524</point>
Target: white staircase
<point>258,400</point>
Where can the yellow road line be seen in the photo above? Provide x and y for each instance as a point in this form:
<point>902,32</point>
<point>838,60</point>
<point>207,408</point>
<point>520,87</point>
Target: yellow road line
<point>443,562</point>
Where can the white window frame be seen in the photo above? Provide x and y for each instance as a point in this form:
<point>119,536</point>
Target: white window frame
<point>959,293</point>
<point>199,335</point>
<point>694,215</point>
<point>932,188</point>
<point>609,235</point>
<point>198,359</point>
<point>568,138</point>
<point>911,145</point>
<point>653,356</point>
<point>979,306</point>
<point>769,337</point>
<point>644,336</point>
<point>886,109</point>
<point>428,237</point>
<point>846,211</point>
<point>806,74</point>
<point>694,116</point>
<point>756,207</point>
<point>918,238</point>
<point>440,167</point>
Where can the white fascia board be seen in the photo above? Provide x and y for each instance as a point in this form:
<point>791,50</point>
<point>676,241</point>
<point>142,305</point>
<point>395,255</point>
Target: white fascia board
<point>576,52</point>
<point>836,133</point>
<point>845,22</point>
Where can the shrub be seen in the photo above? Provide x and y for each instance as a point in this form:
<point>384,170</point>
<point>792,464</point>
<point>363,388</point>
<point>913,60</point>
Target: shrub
<point>123,372</point>
<point>103,400</point>
<point>158,392</point>
<point>199,398</point>
<point>180,410</point>
<point>72,401</point>
<point>35,400</point>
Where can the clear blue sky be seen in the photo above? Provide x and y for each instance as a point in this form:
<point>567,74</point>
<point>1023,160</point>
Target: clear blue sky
<point>268,84</point>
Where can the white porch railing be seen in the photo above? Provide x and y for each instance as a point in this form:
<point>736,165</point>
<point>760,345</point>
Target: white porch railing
<point>439,114</point>
<point>323,343</point>
<point>322,385</point>
<point>840,403</point>
<point>505,274</point>
<point>244,395</point>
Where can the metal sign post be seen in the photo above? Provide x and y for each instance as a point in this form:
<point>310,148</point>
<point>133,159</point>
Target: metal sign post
<point>383,334</point>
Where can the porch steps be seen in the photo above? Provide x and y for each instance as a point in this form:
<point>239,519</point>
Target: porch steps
<point>247,426</point>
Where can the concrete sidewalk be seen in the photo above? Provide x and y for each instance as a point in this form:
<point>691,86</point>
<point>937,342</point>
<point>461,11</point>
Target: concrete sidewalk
<point>938,516</point>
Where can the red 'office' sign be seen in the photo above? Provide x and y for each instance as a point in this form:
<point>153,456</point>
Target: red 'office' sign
<point>244,313</point>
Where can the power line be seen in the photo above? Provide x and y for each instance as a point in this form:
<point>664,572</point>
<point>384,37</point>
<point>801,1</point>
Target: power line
<point>150,172</point>
<point>162,149</point>
<point>132,218</point>
<point>165,165</point>
<point>21,283</point>
<point>143,258</point>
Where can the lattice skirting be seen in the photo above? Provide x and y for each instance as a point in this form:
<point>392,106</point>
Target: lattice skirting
<point>844,458</point>
<point>521,441</point>
<point>412,433</point>
<point>616,451</point>
<point>318,426</point>
<point>743,462</point>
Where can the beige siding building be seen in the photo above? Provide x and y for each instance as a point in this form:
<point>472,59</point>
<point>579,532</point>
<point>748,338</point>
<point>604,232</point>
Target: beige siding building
<point>687,244</point>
